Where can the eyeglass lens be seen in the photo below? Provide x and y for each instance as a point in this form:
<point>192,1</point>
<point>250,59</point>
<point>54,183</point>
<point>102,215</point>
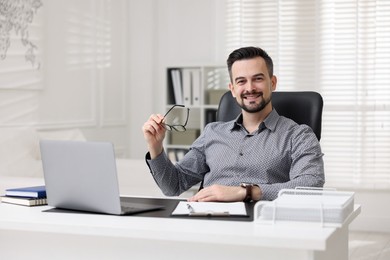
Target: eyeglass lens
<point>177,116</point>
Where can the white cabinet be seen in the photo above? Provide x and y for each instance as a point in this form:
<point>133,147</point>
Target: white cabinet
<point>199,88</point>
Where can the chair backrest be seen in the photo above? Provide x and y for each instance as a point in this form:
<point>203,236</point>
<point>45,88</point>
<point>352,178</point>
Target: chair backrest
<point>304,107</point>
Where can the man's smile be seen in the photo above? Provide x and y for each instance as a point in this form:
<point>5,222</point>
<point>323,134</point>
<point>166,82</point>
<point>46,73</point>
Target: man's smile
<point>251,96</point>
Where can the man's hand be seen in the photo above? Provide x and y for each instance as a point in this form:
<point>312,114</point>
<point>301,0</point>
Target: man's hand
<point>154,134</point>
<point>220,193</point>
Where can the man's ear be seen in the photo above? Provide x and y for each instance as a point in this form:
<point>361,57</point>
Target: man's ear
<point>274,81</point>
<point>231,88</point>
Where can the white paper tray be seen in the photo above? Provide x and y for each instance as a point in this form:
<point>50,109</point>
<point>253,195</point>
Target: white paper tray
<point>318,206</point>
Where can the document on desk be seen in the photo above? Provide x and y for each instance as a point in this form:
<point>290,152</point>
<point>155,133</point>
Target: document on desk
<point>210,209</point>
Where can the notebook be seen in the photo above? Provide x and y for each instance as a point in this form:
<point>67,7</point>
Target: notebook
<point>82,176</point>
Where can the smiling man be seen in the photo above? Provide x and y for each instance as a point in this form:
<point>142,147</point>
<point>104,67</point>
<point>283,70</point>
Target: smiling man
<point>249,158</point>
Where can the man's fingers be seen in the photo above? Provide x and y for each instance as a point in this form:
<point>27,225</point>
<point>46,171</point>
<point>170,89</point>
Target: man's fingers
<point>153,124</point>
<point>205,194</point>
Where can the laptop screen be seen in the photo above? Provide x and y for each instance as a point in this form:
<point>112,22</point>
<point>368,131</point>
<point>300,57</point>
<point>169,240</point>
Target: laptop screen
<point>81,175</point>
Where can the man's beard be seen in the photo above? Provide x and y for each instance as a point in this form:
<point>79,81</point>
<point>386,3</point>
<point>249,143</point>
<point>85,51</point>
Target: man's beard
<point>254,109</point>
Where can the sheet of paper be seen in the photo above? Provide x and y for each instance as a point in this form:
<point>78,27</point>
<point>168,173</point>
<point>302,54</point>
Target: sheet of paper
<point>231,208</point>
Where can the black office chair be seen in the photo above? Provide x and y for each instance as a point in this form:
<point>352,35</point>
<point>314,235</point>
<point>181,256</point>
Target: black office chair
<point>304,107</point>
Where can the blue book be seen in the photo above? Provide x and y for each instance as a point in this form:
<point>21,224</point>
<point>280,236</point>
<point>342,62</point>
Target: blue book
<point>31,192</point>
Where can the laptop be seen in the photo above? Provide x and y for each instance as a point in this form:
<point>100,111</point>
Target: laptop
<point>82,176</point>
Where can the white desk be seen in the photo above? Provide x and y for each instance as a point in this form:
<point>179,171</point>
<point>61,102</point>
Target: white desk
<point>29,233</point>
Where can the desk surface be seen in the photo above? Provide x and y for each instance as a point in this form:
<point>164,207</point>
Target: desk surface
<point>169,205</point>
<point>97,236</point>
<point>13,217</point>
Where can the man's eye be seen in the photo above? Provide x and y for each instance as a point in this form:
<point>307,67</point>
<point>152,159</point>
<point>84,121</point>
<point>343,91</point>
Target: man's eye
<point>259,78</point>
<point>240,82</point>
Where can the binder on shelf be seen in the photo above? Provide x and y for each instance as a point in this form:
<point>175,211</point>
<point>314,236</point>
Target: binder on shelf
<point>325,207</point>
<point>196,86</point>
<point>170,91</point>
<point>187,86</point>
<point>177,86</point>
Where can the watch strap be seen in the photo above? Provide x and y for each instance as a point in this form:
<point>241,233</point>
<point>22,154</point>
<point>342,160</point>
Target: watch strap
<point>248,187</point>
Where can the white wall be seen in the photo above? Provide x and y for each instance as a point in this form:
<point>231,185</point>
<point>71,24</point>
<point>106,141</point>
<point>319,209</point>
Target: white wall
<point>142,70</point>
<point>111,101</point>
<point>85,80</point>
<point>82,48</point>
<point>163,34</point>
<point>375,214</point>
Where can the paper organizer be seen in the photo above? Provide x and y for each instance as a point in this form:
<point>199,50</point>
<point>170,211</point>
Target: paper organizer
<point>328,208</point>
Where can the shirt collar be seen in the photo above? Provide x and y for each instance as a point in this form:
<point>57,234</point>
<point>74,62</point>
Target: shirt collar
<point>269,122</point>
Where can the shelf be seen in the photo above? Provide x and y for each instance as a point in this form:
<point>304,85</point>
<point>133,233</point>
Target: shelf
<point>198,88</point>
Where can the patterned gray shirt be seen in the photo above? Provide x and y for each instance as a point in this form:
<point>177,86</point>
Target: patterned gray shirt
<point>280,154</point>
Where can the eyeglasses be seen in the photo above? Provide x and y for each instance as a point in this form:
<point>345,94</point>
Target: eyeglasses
<point>176,118</point>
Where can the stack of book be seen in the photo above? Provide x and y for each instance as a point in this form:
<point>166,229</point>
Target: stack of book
<point>26,196</point>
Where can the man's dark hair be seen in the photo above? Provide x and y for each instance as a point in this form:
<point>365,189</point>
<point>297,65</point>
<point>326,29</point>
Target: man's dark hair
<point>249,53</point>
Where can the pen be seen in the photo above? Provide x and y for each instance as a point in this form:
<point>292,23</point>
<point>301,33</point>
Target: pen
<point>209,214</point>
<point>206,213</point>
<point>190,209</point>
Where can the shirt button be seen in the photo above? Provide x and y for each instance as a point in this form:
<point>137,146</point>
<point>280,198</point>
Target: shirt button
<point>241,154</point>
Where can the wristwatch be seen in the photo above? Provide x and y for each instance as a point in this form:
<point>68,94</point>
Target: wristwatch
<point>248,187</point>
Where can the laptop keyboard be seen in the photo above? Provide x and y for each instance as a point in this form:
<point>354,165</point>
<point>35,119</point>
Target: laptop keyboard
<point>128,208</point>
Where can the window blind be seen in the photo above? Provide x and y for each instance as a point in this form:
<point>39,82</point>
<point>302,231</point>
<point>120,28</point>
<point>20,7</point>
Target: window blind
<point>340,48</point>
<point>89,35</point>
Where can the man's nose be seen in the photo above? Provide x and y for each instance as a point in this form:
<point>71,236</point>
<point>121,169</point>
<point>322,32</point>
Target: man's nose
<point>251,85</point>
